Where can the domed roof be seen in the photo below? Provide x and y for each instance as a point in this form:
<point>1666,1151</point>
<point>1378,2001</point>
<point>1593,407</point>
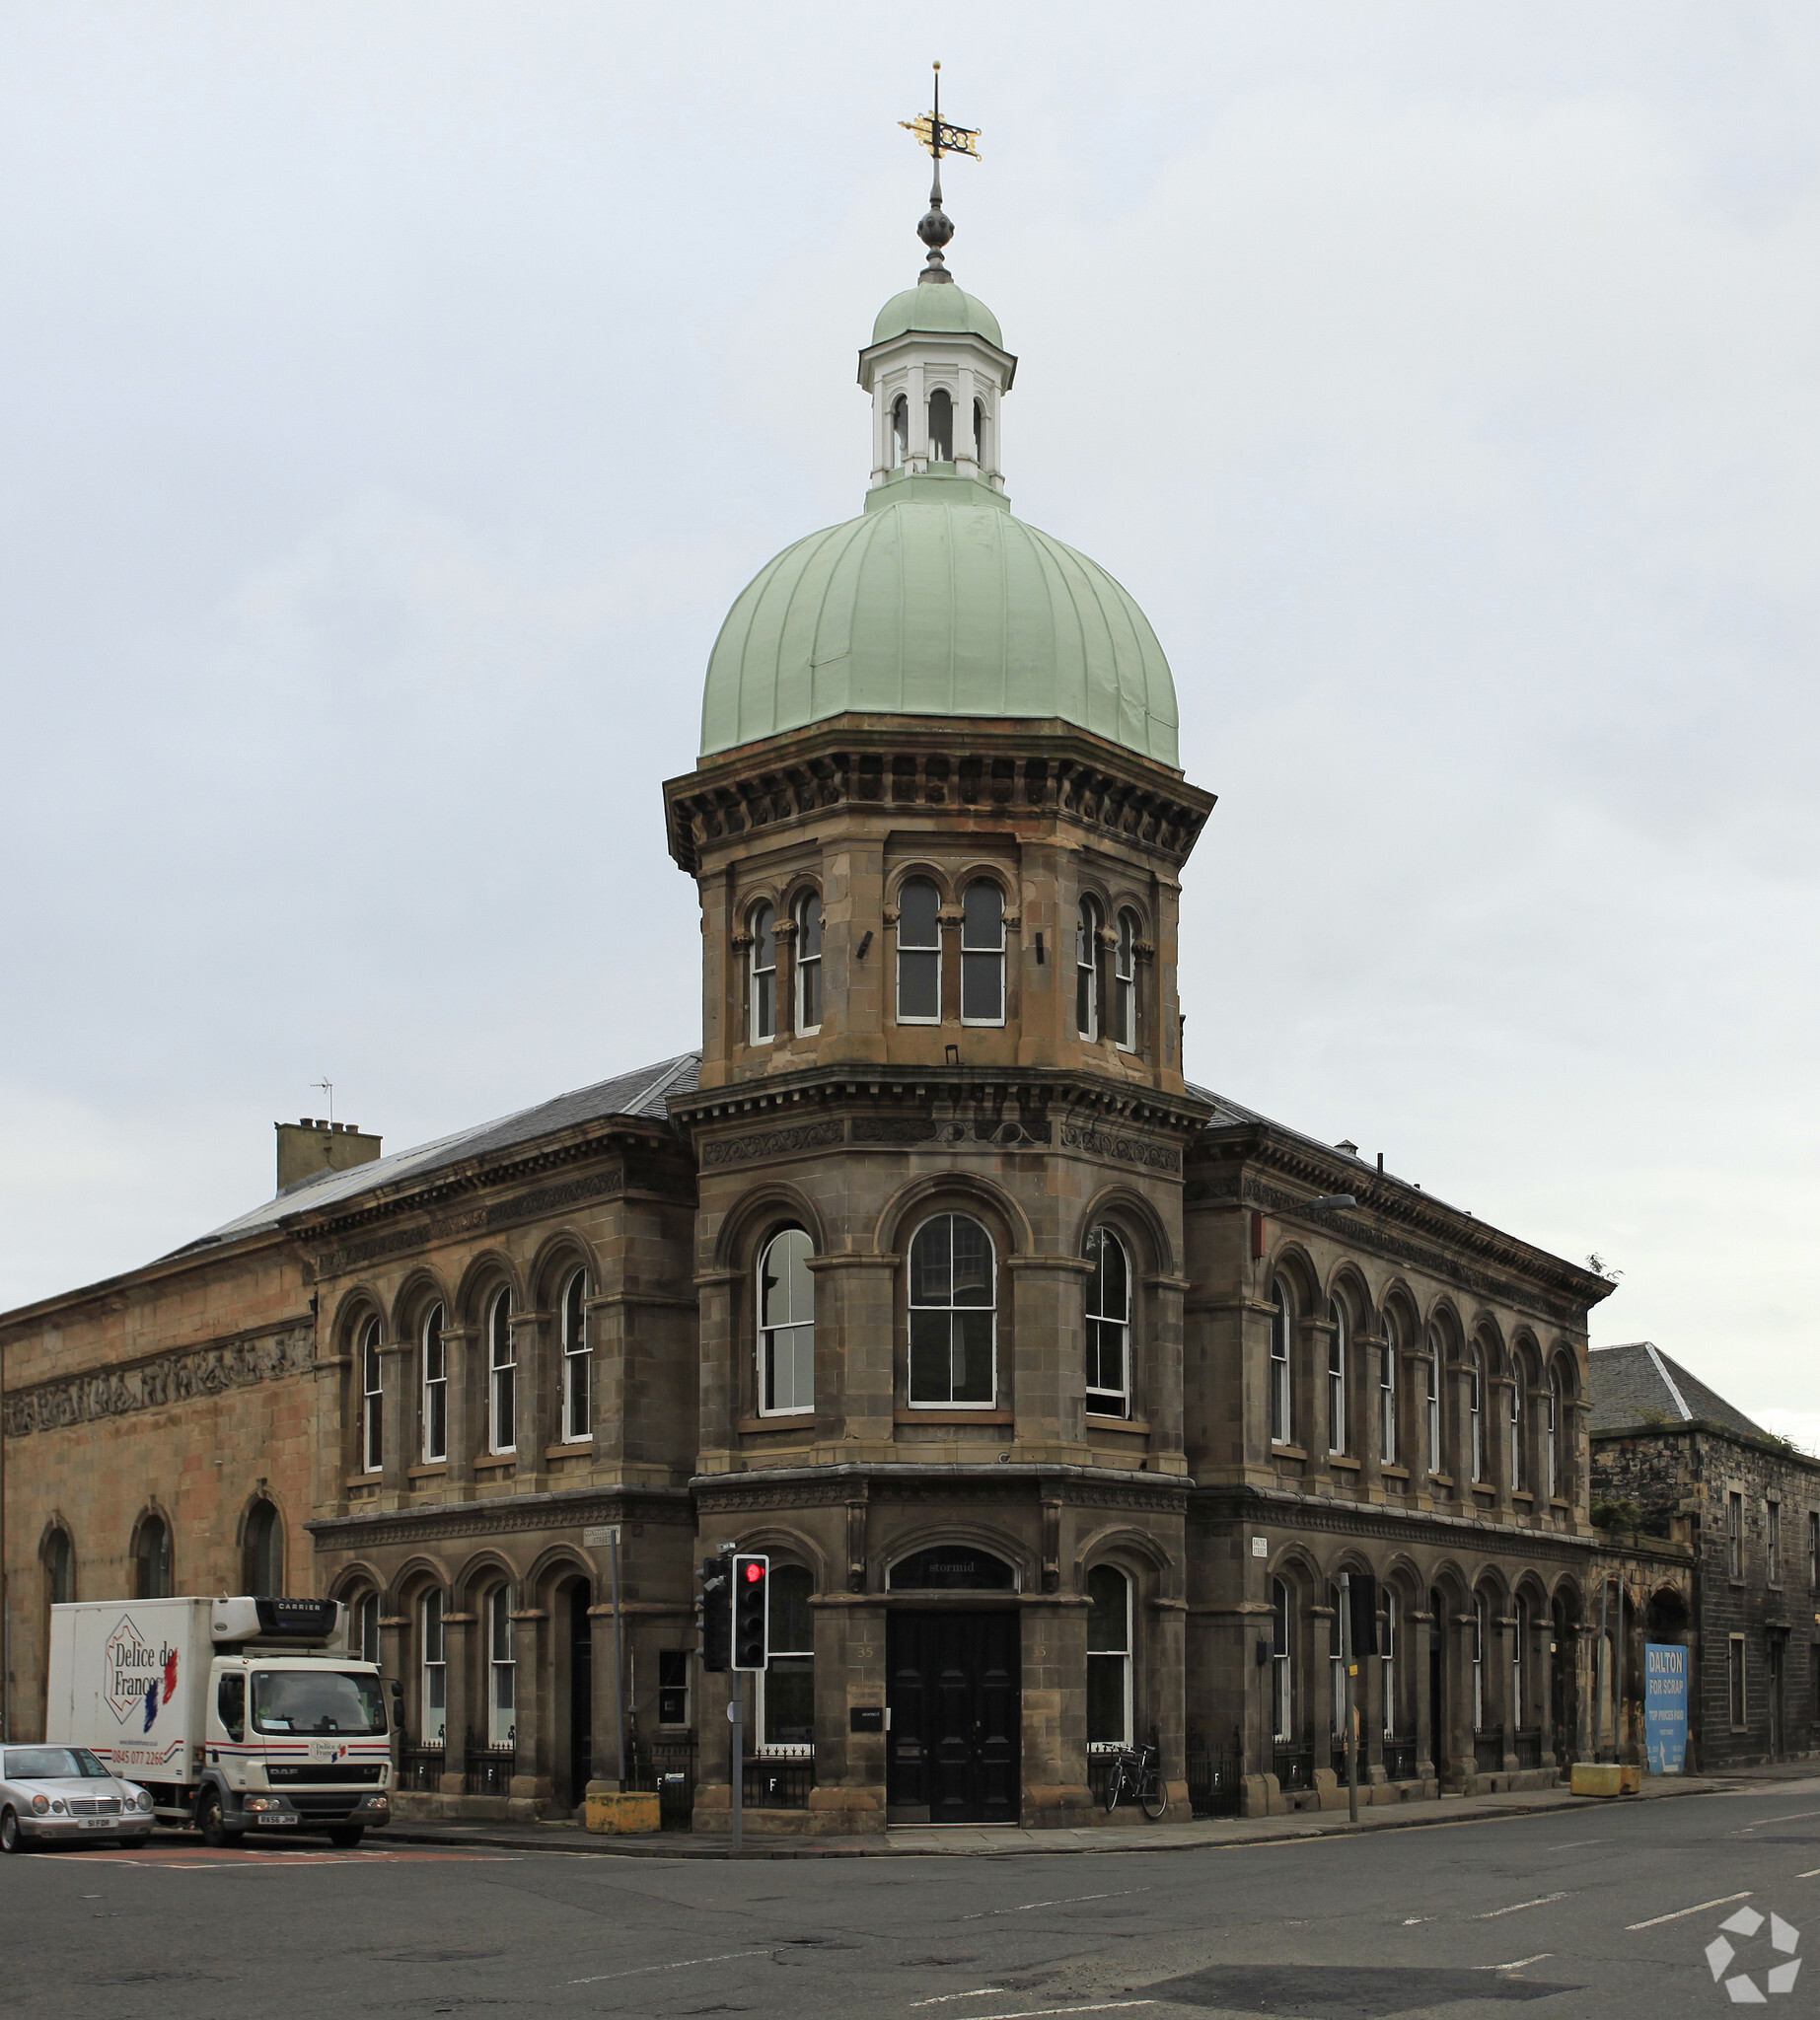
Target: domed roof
<point>922,606</point>
<point>931,305</point>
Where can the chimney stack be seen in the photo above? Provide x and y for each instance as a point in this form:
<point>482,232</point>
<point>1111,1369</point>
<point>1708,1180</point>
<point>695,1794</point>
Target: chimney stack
<point>308,1148</point>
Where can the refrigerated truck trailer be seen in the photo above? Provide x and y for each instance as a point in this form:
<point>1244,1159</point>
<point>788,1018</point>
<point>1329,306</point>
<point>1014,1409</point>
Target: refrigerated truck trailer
<point>238,1714</point>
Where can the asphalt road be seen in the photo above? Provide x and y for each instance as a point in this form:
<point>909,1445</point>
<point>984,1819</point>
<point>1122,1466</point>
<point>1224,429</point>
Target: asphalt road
<point>1579,1912</point>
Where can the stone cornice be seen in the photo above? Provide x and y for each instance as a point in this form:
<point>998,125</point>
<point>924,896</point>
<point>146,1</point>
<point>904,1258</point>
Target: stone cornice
<point>1320,1513</point>
<point>974,765</point>
<point>509,1512</point>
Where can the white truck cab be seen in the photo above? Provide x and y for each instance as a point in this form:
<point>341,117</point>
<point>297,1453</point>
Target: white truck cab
<point>237,1713</point>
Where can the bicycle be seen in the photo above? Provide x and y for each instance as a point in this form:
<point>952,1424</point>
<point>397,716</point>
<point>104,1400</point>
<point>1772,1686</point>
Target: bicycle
<point>1137,1776</point>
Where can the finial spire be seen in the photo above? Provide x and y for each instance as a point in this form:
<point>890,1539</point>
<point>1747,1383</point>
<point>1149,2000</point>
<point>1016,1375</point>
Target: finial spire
<point>939,137</point>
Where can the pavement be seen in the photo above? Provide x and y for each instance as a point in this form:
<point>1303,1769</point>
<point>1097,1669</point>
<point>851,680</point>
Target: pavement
<point>1132,1834</point>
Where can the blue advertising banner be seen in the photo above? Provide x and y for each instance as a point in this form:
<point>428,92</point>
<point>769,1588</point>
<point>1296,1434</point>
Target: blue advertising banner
<point>1665,1706</point>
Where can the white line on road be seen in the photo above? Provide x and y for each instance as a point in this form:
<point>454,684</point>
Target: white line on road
<point>986,1992</point>
<point>1044,2012</point>
<point>1517,1966</point>
<point>1699,1908</point>
<point>682,1964</point>
<point>1068,1900</point>
<point>1541,1901</point>
<point>1573,1844</point>
<point>1815,1875</point>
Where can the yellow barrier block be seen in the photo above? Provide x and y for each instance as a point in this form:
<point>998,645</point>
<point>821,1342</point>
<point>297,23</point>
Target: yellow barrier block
<point>1597,1778</point>
<point>620,1816</point>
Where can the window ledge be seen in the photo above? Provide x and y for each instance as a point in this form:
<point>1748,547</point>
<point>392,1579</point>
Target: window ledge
<point>1345,1460</point>
<point>1441,1480</point>
<point>492,1462</point>
<point>934,1413</point>
<point>1096,1423</point>
<point>434,1469</point>
<point>1287,1451</point>
<point>572,1448</point>
<point>1395,1471</point>
<point>1523,1495</point>
<point>365,1480</point>
<point>789,1420</point>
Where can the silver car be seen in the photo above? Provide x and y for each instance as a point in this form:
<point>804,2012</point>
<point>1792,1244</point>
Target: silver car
<point>64,1793</point>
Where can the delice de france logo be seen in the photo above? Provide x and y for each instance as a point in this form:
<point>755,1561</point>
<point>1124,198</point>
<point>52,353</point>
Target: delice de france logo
<point>140,1676</point>
<point>1721,1954</point>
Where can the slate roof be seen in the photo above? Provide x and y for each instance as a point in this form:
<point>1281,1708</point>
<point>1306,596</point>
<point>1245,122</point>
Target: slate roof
<point>1637,1384</point>
<point>643,1093</point>
<point>1229,1114</point>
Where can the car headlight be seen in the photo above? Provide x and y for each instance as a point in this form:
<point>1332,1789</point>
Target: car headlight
<point>145,1799</point>
<point>40,1805</point>
<point>264,1802</point>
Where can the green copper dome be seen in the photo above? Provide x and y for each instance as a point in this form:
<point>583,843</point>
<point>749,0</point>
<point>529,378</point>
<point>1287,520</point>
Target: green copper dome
<point>933,306</point>
<point>926,607</point>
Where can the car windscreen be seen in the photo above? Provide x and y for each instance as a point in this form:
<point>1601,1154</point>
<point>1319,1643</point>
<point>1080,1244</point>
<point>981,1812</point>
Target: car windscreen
<point>52,1764</point>
<point>316,1702</point>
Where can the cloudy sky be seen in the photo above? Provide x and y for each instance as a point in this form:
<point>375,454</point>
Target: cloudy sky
<point>397,394</point>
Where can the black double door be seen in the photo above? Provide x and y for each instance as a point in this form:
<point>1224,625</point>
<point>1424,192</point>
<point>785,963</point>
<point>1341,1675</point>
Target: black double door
<point>954,1700</point>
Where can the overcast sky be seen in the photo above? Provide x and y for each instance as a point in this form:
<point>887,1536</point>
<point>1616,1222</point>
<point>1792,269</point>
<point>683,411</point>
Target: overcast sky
<point>397,394</point>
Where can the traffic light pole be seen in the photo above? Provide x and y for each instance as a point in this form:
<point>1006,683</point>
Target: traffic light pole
<point>736,1717</point>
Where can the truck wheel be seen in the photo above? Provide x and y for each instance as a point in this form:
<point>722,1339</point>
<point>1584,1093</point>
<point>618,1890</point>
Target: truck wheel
<point>12,1838</point>
<point>212,1823</point>
<point>346,1836</point>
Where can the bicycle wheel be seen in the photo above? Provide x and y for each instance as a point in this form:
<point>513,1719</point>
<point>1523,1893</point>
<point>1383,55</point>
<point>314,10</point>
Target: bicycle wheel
<point>1155,1797</point>
<point>1114,1785</point>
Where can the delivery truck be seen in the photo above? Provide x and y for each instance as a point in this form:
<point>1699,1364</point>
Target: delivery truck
<point>237,1715</point>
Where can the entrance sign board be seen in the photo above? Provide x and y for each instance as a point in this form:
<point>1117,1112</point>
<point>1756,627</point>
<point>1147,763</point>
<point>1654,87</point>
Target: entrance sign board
<point>1665,1706</point>
<point>952,1568</point>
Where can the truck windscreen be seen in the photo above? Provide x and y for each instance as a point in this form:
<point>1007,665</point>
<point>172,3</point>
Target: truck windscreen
<point>317,1701</point>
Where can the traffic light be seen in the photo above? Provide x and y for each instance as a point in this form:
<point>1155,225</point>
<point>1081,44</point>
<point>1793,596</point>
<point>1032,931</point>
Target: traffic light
<point>716,1613</point>
<point>1364,1593</point>
<point>752,1581</point>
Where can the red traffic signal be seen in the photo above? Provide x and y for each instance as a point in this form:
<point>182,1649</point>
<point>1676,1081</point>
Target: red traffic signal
<point>751,1611</point>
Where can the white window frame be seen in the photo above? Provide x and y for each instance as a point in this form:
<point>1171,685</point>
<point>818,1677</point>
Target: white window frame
<point>1339,1399</point>
<point>1432,1376</point>
<point>501,1372</point>
<point>501,1671</point>
<point>1122,1656</point>
<point>433,1671</point>
<point>1100,1400</point>
<point>806,964</point>
<point>433,1384</point>
<point>1282,1384</point>
<point>1087,970</point>
<point>1552,1446</point>
<point>1518,1633</point>
<point>990,1401</point>
<point>1480,1611</point>
<point>577,1361</point>
<point>781,1749</point>
<point>1336,1660</point>
<point>363,1624</point>
<point>761,975</point>
<point>1387,1660</point>
<point>689,1689</point>
<point>792,1324</point>
<point>991,954</point>
<point>922,948</point>
<point>1475,1414</point>
<point>1282,1660</point>
<point>1519,1425</point>
<point>1125,982</point>
<point>1389,1372</point>
<point>898,431</point>
<point>372,1400</point>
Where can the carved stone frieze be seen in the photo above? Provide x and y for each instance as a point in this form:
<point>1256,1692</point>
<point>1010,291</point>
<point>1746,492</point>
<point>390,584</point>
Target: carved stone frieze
<point>172,1378</point>
<point>1134,1150</point>
<point>723,1150</point>
<point>475,1220</point>
<point>461,1520</point>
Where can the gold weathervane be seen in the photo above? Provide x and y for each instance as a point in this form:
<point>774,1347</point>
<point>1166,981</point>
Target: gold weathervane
<point>937,136</point>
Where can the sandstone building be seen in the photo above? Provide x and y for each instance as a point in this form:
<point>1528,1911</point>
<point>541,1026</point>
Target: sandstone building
<point>1060,1391</point>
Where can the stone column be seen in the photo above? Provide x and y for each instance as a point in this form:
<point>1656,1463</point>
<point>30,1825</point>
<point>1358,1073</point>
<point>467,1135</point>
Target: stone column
<point>1054,1710</point>
<point>534,1340</point>
<point>1367,1413</point>
<point>1424,1627</point>
<point>1161,1694</point>
<point>403,1712</point>
<point>467,1404</point>
<point>1047,1336</point>
<point>1163,1381</point>
<point>855,1369</point>
<point>601,1712</point>
<point>459,1689</point>
<point>719,1395</point>
<point>1457,1742</point>
<point>1501,1648</point>
<point>1497,1439</point>
<point>398,1443</point>
<point>784,934</point>
<point>532,1783</point>
<point>848,1796</point>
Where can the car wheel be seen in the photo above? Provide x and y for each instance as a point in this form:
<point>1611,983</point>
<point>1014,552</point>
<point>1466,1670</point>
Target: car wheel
<point>12,1835</point>
<point>346,1836</point>
<point>212,1823</point>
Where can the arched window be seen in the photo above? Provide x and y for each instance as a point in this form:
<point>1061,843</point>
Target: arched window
<point>265,1552</point>
<point>152,1559</point>
<point>900,431</point>
<point>1337,1376</point>
<point>1282,1393</point>
<point>577,1361</point>
<point>60,1567</point>
<point>502,1376</point>
<point>786,1711</point>
<point>1388,1626</point>
<point>1336,1664</point>
<point>1087,970</point>
<point>953,1300</point>
<point>1432,1380</point>
<point>1519,1636</point>
<point>501,1671</point>
<point>787,1326</point>
<point>761,991</point>
<point>1282,1660</point>
<point>1519,1422</point>
<point>433,1662</point>
<point>435,1403</point>
<point>372,1401</point>
<point>1475,1413</point>
<point>1551,1447</point>
<point>1478,1640</point>
<point>983,953</point>
<point>363,1625</point>
<point>808,963</point>
<point>1109,1657</point>
<point>941,425</point>
<point>919,953</point>
<point>1389,1372</point>
<point>980,455</point>
<point>1124,983</point>
<point>1109,1324</point>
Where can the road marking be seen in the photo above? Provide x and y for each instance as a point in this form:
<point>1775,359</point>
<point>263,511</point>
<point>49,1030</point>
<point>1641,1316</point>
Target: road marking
<point>1541,1901</point>
<point>1699,1908</point>
<point>986,1992</point>
<point>1815,1875</point>
<point>1517,1966</point>
<point>1067,1900</point>
<point>683,1964</point>
<point>1044,2012</point>
<point>1413,1919</point>
<point>1571,1845</point>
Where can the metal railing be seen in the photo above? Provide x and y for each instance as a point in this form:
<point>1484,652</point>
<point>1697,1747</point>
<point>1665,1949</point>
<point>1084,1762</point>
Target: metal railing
<point>1526,1742</point>
<point>421,1769</point>
<point>778,1784</point>
<point>1400,1760</point>
<point>1488,1749</point>
<point>1215,1776</point>
<point>1099,1763</point>
<point>488,1770</point>
<point>1293,1763</point>
<point>664,1768</point>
